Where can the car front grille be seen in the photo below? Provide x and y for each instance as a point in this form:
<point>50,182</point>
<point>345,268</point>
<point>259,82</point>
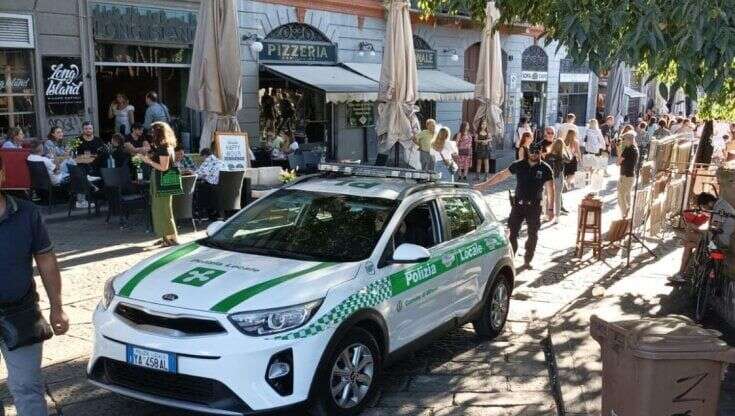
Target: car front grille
<point>189,326</point>
<point>181,387</point>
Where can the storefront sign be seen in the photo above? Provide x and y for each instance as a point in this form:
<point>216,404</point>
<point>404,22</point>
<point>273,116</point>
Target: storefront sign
<point>280,51</point>
<point>582,78</point>
<point>360,114</point>
<point>63,84</point>
<point>426,59</point>
<point>425,56</point>
<point>123,23</point>
<point>232,150</point>
<point>534,76</point>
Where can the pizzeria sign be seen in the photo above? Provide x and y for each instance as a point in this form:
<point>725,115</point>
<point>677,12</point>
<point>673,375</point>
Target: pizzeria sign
<point>279,51</point>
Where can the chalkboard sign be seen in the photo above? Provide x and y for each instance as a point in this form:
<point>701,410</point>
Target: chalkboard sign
<point>360,114</point>
<point>63,84</point>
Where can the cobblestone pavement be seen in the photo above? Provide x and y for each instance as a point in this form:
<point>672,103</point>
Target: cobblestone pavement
<point>455,375</point>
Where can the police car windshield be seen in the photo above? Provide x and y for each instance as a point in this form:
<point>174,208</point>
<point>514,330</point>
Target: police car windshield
<point>308,225</point>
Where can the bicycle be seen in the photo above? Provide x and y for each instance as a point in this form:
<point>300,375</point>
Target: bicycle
<point>706,267</point>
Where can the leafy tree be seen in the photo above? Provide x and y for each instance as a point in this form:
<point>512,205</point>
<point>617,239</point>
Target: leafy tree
<point>696,37</point>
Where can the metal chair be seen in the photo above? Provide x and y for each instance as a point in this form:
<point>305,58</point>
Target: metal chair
<point>41,182</point>
<point>296,161</point>
<point>183,205</point>
<point>120,193</point>
<point>311,160</point>
<point>229,191</point>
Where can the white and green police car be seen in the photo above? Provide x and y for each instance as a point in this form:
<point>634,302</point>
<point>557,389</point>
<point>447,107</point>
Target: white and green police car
<point>305,296</point>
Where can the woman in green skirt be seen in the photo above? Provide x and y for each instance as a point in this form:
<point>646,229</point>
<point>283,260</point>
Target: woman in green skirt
<point>164,142</point>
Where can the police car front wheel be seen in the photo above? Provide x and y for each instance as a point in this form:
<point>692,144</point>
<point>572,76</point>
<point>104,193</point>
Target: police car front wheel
<point>345,384</point>
<point>494,313</point>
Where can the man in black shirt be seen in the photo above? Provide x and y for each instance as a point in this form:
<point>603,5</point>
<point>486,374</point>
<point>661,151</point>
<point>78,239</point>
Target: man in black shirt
<point>628,161</point>
<point>532,175</point>
<point>136,142</point>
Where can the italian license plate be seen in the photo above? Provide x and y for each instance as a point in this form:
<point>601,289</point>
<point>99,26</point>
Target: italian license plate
<point>156,360</point>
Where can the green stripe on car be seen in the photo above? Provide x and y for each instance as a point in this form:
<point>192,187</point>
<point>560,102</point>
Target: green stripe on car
<point>381,290</point>
<point>230,302</point>
<point>168,258</point>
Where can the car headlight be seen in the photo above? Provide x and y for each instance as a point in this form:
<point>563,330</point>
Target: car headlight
<point>108,294</point>
<point>273,321</point>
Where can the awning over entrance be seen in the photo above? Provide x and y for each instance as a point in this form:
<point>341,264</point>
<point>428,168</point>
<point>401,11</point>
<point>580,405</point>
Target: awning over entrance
<point>339,83</point>
<point>434,85</point>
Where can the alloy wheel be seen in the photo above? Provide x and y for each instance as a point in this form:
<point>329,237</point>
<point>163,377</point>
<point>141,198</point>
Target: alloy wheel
<point>499,305</point>
<point>352,376</point>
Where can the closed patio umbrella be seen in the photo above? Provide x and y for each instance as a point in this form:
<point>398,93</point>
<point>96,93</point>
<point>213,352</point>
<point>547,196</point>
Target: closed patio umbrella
<point>215,78</point>
<point>615,100</point>
<point>397,121</point>
<point>490,87</point>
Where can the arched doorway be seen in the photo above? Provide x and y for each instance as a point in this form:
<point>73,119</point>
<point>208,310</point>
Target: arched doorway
<point>534,76</point>
<point>471,63</point>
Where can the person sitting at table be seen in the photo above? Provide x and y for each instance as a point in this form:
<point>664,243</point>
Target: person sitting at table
<point>90,144</point>
<point>117,150</point>
<point>291,143</point>
<point>207,181</point>
<point>52,145</point>
<point>275,142</point>
<point>183,162</point>
<point>136,143</point>
<point>164,142</point>
<point>14,139</point>
<point>54,172</point>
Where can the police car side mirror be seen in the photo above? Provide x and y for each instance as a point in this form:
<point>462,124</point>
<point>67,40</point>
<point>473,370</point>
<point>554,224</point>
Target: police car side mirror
<point>410,253</point>
<point>214,227</point>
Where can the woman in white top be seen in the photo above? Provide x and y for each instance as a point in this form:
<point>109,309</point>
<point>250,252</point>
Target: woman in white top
<point>594,142</point>
<point>446,155</point>
<point>123,113</point>
<point>523,126</point>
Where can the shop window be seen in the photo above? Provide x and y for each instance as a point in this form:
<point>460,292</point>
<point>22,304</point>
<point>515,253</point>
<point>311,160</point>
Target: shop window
<point>17,102</point>
<point>573,99</point>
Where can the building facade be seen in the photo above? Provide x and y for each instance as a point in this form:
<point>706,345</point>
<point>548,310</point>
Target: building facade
<point>64,61</point>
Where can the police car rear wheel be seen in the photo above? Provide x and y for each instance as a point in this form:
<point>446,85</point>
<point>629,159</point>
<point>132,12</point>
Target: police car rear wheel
<point>345,384</point>
<point>494,314</point>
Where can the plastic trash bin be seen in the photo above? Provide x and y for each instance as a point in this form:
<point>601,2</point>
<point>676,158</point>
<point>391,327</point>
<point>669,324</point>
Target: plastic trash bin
<point>662,366</point>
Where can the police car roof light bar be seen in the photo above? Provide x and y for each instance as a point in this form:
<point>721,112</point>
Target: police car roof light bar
<point>379,171</point>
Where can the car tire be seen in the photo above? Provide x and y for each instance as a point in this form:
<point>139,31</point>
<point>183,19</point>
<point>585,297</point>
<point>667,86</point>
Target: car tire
<point>494,312</point>
<point>340,388</point>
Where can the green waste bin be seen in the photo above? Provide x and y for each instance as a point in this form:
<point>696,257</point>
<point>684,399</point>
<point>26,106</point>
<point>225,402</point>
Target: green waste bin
<point>660,367</point>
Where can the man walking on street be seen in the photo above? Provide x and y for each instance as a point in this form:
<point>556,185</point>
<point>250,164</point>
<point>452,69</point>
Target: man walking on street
<point>532,175</point>
<point>23,237</point>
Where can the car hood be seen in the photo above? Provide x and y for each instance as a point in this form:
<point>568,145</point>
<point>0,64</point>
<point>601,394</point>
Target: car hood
<point>207,279</point>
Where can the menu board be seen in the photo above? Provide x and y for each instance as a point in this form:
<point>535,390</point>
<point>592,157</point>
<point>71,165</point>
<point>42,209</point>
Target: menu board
<point>233,150</point>
<point>360,114</point>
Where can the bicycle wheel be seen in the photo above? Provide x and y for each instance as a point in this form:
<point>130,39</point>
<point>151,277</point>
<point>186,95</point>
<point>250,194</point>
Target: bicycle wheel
<point>704,293</point>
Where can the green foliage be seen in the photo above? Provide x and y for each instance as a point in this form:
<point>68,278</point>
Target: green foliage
<point>691,42</point>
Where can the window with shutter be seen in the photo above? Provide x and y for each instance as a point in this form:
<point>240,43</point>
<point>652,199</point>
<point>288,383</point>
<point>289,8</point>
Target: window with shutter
<point>16,31</point>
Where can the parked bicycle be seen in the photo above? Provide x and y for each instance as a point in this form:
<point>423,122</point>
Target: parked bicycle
<point>705,267</point>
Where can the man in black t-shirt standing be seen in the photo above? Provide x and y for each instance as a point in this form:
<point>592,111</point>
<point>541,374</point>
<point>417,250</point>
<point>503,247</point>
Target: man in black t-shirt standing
<point>532,175</point>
